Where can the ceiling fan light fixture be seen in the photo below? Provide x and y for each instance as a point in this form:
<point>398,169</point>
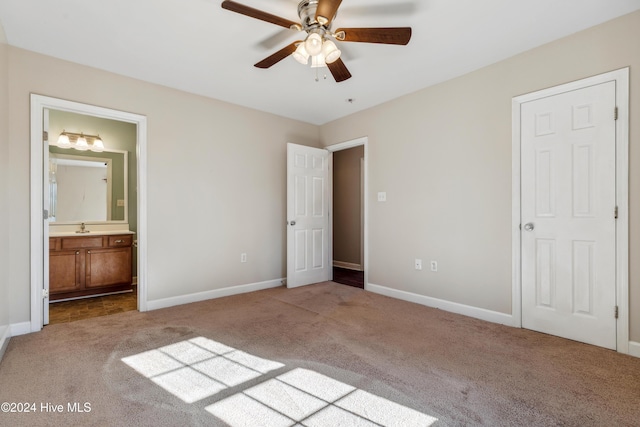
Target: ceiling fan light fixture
<point>301,55</point>
<point>330,51</point>
<point>313,44</point>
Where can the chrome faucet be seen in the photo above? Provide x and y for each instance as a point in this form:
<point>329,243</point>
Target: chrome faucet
<point>82,229</point>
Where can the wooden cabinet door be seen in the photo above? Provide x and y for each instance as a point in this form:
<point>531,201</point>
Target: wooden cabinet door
<point>65,268</point>
<point>107,267</point>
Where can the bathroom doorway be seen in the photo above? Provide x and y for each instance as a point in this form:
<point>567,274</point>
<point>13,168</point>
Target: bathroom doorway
<point>94,187</point>
<point>41,207</point>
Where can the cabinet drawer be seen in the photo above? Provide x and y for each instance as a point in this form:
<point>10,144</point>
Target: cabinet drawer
<point>118,241</point>
<point>81,242</point>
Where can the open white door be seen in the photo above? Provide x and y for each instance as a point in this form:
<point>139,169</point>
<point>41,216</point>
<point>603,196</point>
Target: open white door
<point>46,201</point>
<point>307,215</point>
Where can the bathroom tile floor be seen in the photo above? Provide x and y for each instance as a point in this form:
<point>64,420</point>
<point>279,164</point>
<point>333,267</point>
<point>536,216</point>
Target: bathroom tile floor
<point>70,311</point>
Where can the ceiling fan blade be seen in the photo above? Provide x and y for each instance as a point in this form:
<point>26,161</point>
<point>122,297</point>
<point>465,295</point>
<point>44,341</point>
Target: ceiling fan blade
<point>339,70</point>
<point>396,35</point>
<point>326,10</point>
<point>258,14</point>
<point>278,56</point>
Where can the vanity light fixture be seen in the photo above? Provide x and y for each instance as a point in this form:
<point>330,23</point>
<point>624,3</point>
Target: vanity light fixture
<point>80,141</point>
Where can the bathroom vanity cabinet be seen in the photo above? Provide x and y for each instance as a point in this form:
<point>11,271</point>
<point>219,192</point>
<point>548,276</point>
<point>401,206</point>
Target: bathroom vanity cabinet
<point>88,265</point>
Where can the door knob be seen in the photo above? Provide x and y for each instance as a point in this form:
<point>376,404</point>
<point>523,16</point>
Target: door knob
<point>293,223</point>
<point>529,226</point>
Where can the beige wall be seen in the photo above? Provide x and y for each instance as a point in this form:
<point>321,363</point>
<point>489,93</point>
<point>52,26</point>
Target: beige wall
<point>443,155</point>
<point>346,205</point>
<point>216,178</point>
<point>4,190</point>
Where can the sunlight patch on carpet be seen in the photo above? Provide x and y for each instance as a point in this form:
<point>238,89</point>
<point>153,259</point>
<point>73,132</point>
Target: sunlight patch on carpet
<point>311,399</point>
<point>200,368</point>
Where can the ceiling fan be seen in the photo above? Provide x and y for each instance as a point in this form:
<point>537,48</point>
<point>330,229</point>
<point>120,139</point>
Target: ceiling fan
<point>316,17</point>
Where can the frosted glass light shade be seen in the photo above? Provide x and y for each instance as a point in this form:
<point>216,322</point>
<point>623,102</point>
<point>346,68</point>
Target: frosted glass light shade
<point>318,61</point>
<point>330,51</point>
<point>313,44</point>
<point>98,145</point>
<point>81,144</point>
<point>301,55</point>
<point>63,141</point>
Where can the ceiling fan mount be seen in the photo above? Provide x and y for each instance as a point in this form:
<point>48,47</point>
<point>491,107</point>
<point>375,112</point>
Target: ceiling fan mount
<point>316,18</point>
<point>307,12</point>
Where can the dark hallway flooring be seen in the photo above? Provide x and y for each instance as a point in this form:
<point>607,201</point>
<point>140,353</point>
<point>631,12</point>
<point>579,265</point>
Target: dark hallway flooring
<point>348,277</point>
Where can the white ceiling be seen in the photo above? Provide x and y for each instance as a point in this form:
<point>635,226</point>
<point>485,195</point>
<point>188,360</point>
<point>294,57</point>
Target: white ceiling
<point>198,47</point>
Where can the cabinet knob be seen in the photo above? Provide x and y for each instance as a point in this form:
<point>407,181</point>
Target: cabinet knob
<point>77,252</point>
<point>88,252</point>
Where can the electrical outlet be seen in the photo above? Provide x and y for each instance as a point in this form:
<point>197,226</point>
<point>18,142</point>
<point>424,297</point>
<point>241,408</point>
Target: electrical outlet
<point>243,257</point>
<point>434,265</point>
<point>418,264</point>
<point>382,196</point>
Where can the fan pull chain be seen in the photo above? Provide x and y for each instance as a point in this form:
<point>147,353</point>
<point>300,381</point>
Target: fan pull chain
<point>317,78</point>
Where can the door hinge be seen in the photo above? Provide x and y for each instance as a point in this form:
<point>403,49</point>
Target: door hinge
<point>615,213</point>
<point>615,114</point>
<point>45,293</point>
<point>45,135</point>
<point>616,312</point>
<point>45,214</point>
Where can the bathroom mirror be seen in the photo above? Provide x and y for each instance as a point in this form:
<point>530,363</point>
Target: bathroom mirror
<point>87,186</point>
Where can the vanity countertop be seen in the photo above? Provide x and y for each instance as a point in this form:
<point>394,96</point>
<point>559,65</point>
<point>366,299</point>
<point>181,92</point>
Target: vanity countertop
<point>90,233</point>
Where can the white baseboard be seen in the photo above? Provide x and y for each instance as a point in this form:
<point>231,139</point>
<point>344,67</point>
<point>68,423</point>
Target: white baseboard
<point>20,328</point>
<point>634,348</point>
<point>4,339</point>
<point>215,293</point>
<point>347,265</point>
<point>453,307</point>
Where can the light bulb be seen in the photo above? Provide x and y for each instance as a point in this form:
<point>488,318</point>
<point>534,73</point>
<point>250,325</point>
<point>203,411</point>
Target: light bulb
<point>330,51</point>
<point>313,44</point>
<point>301,55</point>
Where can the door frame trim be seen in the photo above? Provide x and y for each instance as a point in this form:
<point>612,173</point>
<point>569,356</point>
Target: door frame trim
<point>364,141</point>
<point>621,79</point>
<point>38,104</point>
